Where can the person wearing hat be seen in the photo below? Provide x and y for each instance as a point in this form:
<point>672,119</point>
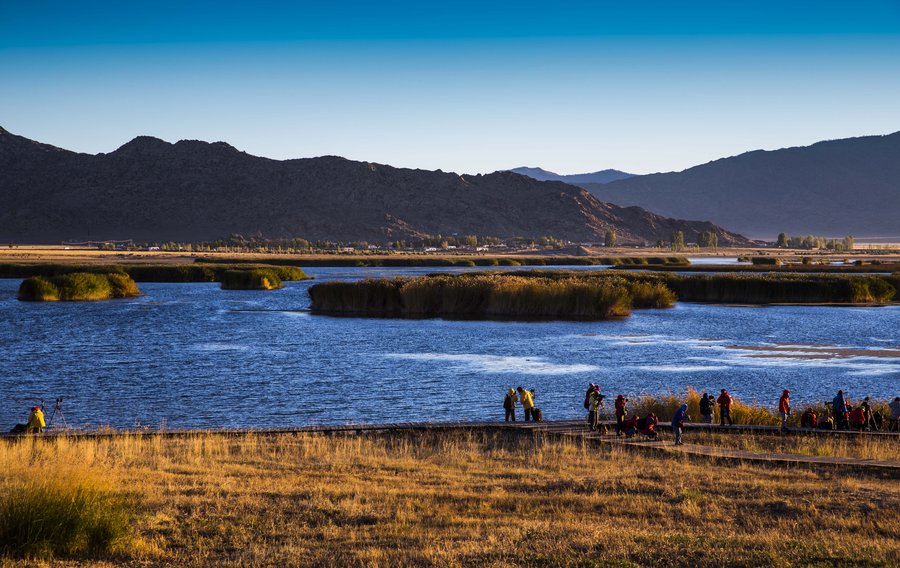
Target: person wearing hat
<point>725,401</point>
<point>36,422</point>
<point>509,405</point>
<point>784,408</point>
<point>681,416</point>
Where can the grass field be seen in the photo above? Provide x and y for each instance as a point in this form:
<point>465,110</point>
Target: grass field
<point>454,498</point>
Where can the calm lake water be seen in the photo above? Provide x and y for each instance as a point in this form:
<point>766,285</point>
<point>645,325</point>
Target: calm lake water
<point>193,355</point>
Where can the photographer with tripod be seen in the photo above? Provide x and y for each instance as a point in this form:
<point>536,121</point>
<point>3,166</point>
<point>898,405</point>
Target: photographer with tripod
<point>36,422</point>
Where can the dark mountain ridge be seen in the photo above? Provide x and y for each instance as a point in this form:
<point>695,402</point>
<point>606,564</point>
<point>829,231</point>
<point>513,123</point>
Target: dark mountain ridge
<point>831,188</point>
<point>152,190</point>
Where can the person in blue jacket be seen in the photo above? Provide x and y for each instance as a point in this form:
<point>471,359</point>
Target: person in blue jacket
<point>840,410</point>
<point>678,423</point>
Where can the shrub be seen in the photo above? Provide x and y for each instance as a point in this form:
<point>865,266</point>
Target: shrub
<point>766,260</point>
<point>38,289</point>
<point>46,516</point>
<point>254,279</point>
<point>78,286</point>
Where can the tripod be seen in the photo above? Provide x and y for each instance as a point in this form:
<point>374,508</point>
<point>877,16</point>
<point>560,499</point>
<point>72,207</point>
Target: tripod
<point>57,410</point>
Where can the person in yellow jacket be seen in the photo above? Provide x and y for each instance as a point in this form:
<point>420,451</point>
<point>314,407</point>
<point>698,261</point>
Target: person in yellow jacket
<point>36,422</point>
<point>527,400</point>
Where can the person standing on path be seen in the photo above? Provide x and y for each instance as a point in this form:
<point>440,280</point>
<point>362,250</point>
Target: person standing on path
<point>509,405</point>
<point>840,410</point>
<point>725,401</point>
<point>678,423</point>
<point>706,408</point>
<point>621,411</point>
<point>784,408</point>
<point>595,400</point>
<point>527,402</point>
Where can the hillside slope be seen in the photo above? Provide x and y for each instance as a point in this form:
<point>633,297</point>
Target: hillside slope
<point>151,190</point>
<point>834,188</point>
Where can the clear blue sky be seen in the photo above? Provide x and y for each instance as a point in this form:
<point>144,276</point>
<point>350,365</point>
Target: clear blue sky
<point>467,86</point>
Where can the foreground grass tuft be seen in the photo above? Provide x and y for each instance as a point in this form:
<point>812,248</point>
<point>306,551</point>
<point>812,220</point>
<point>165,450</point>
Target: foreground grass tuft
<point>45,517</point>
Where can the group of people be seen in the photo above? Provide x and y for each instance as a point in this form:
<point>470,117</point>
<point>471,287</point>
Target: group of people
<point>860,417</point>
<point>708,408</point>
<point>526,399</point>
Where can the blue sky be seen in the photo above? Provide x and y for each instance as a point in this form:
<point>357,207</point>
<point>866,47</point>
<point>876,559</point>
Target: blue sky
<point>465,86</point>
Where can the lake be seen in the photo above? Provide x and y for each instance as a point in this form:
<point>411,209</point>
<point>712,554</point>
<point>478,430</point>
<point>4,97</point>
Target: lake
<point>193,355</point>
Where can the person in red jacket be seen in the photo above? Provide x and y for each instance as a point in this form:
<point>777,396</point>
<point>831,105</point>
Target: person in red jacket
<point>809,419</point>
<point>621,411</point>
<point>725,401</point>
<point>857,418</point>
<point>630,426</point>
<point>784,408</point>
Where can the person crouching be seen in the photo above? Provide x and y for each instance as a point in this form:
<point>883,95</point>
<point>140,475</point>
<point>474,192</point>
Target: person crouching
<point>36,422</point>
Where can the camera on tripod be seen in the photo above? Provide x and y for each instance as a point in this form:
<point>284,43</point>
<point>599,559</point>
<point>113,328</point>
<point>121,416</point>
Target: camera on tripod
<point>57,411</point>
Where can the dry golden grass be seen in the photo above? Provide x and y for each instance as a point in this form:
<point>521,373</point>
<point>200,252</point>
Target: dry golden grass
<point>862,447</point>
<point>449,498</point>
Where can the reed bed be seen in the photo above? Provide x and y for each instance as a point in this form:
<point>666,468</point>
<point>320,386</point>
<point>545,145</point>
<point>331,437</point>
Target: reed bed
<point>578,295</point>
<point>78,286</point>
<point>148,272</point>
<point>665,406</point>
<point>255,279</point>
<point>489,296</point>
<point>781,288</point>
<point>466,498</point>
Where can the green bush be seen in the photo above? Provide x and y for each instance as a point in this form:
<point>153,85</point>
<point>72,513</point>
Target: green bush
<point>38,289</point>
<point>254,279</point>
<point>48,517</point>
<point>766,260</point>
<point>78,286</point>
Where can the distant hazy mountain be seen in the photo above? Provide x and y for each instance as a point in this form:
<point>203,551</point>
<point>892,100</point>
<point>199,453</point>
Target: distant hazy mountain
<point>603,176</point>
<point>834,188</point>
<point>151,190</point>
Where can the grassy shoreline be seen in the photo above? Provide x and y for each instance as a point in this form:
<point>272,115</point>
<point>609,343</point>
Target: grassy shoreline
<point>148,272</point>
<point>461,498</point>
<point>464,261</point>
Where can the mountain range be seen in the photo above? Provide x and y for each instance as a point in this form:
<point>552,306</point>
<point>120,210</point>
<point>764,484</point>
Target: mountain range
<point>189,191</point>
<point>833,188</point>
<point>603,176</point>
